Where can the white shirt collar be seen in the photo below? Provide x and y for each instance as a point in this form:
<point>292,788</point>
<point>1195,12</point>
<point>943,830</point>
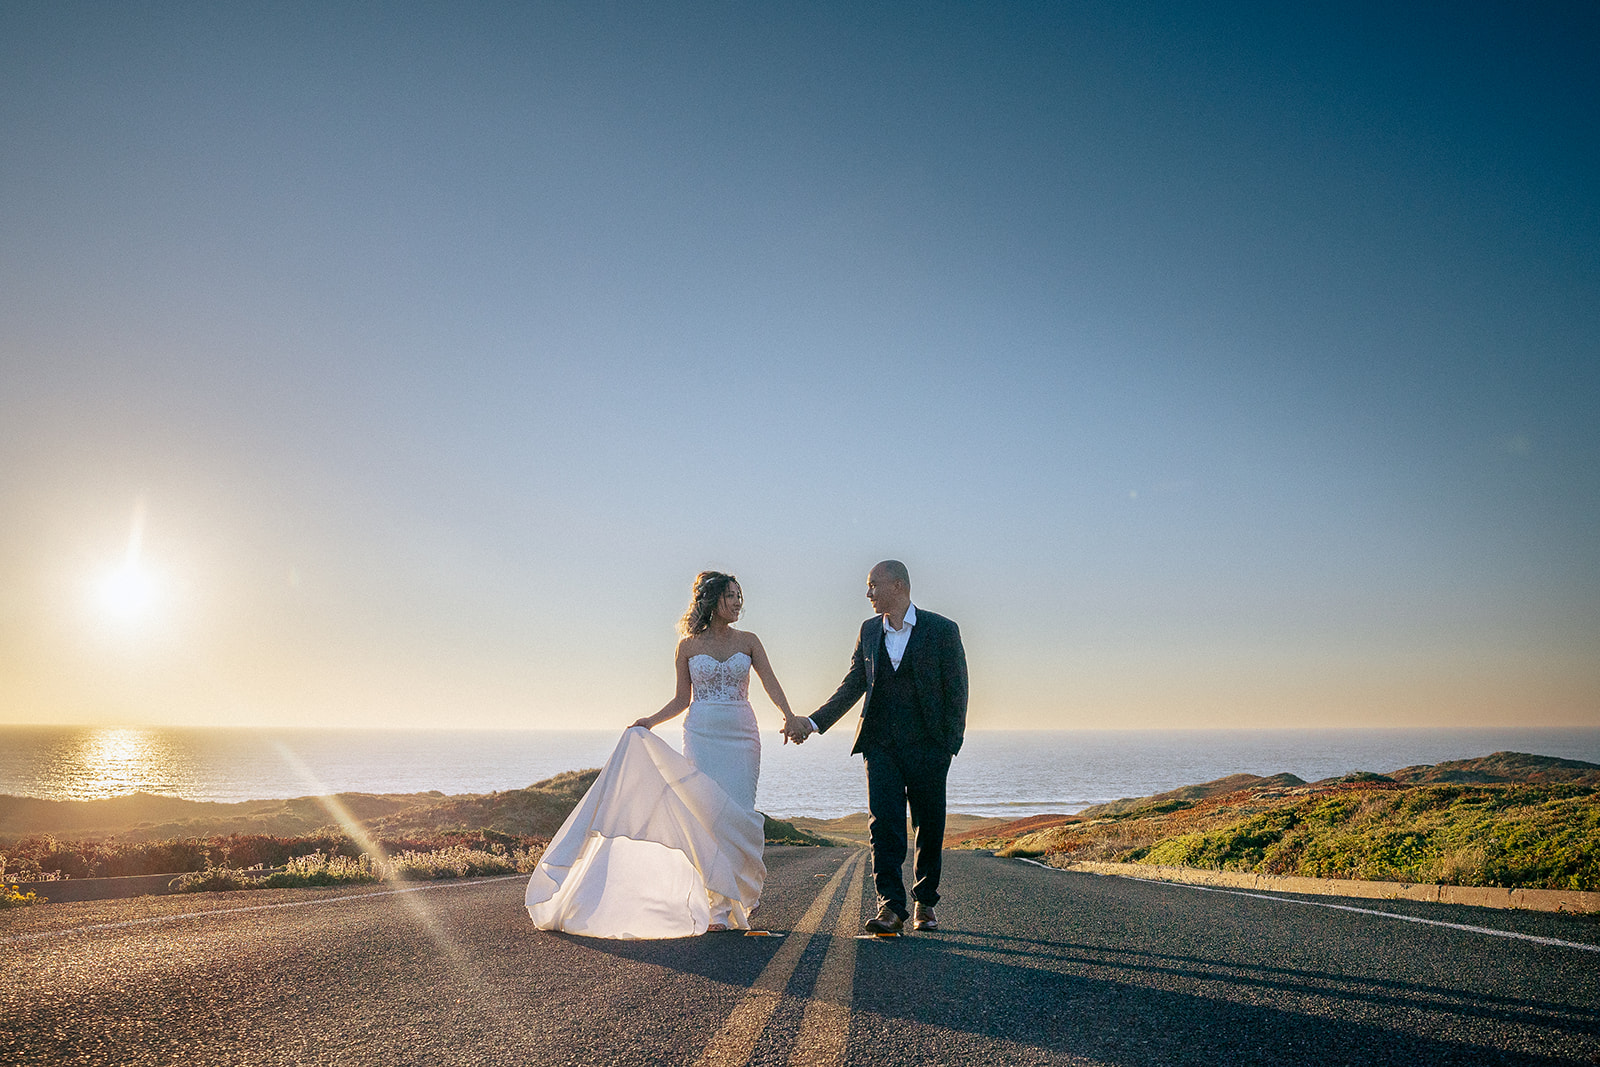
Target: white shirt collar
<point>905,624</point>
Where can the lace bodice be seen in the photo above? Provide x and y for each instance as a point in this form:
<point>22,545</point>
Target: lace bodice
<point>720,681</point>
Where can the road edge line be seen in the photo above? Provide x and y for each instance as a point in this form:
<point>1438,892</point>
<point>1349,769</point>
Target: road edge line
<point>1572,901</point>
<point>1553,941</point>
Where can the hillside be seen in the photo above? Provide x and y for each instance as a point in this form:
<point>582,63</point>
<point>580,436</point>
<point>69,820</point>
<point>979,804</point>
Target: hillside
<point>143,819</point>
<point>1508,819</point>
<point>1502,767</point>
<point>1231,784</point>
<point>537,810</point>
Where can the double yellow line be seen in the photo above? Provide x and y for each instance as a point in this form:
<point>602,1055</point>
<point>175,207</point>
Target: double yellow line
<point>825,1026</point>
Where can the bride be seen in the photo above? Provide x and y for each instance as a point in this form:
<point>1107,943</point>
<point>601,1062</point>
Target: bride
<point>665,845</point>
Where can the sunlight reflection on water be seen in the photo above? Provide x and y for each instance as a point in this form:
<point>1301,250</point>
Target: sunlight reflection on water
<point>100,762</point>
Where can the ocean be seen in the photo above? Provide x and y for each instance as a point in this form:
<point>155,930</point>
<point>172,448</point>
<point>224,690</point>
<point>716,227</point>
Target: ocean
<point>998,773</point>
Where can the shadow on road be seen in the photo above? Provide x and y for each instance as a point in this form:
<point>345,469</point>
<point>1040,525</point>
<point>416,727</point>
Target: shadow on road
<point>723,957</point>
<point>960,996</point>
<point>1390,993</point>
<point>1108,1005</point>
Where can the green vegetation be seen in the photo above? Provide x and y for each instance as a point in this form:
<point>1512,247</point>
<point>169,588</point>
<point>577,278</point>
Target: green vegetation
<point>1518,835</point>
<point>41,856</point>
<point>1460,823</point>
<point>780,832</point>
<point>322,869</point>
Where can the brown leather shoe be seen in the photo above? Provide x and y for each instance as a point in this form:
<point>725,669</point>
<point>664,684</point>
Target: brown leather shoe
<point>922,918</point>
<point>886,922</point>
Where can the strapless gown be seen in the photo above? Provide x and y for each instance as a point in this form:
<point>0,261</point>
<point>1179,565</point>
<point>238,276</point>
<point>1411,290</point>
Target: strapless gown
<point>663,845</point>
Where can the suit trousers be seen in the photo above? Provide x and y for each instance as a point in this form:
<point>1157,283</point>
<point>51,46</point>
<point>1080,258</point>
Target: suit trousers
<point>898,776</point>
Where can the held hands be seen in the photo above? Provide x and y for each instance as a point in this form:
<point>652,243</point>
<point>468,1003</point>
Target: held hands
<point>797,728</point>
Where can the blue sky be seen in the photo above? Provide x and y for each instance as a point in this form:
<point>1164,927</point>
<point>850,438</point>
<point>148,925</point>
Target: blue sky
<point>1224,367</point>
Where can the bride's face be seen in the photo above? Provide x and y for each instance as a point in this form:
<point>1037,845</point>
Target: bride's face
<point>731,606</point>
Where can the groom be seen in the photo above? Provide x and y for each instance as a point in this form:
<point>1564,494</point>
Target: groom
<point>913,671</point>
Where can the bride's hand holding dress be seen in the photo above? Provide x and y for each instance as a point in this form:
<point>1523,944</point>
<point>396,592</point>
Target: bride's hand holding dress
<point>665,845</point>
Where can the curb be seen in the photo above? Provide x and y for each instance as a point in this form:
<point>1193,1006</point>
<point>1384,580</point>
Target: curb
<point>73,890</point>
<point>1572,901</point>
<point>77,890</point>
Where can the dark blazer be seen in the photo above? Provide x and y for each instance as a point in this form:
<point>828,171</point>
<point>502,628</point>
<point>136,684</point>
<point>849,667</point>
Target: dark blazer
<point>941,677</point>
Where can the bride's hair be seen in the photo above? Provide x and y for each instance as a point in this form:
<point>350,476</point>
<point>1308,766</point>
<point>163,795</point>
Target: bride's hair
<point>708,589</point>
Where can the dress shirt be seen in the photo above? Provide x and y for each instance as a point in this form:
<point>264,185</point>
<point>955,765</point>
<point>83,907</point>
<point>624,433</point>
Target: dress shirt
<point>895,641</point>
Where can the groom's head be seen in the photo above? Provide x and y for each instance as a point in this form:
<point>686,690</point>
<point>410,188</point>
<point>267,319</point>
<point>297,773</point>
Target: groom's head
<point>889,587</point>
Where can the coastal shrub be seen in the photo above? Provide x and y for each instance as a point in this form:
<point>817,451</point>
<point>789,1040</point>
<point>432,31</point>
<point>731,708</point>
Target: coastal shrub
<point>1333,811</point>
<point>332,869</point>
<point>783,832</point>
<point>1167,806</point>
<point>45,855</point>
<point>1239,847</point>
<point>1181,851</point>
<point>215,880</point>
<point>1535,836</point>
<point>42,857</point>
<point>458,862</point>
<point>1111,839</point>
<point>299,872</point>
<point>1163,807</point>
<point>321,869</point>
<point>1556,845</point>
<point>21,860</point>
<point>1117,844</point>
<point>1529,835</point>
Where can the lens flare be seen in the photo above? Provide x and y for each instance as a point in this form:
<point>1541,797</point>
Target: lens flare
<point>493,1009</point>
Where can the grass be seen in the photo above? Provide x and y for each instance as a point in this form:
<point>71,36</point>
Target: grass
<point>782,832</point>
<point>41,857</point>
<point>1523,835</point>
<point>322,869</point>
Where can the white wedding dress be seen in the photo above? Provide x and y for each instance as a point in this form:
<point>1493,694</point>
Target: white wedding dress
<point>664,845</point>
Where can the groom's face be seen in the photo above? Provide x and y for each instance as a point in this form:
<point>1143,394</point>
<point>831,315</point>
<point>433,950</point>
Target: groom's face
<point>885,593</point>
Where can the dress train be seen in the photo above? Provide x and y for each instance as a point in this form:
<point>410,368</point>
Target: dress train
<point>655,849</point>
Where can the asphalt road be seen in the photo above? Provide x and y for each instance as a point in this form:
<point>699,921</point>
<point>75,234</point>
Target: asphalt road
<point>1032,966</point>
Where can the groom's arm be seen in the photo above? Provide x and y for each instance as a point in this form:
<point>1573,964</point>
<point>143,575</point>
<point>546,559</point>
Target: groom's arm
<point>953,664</point>
<point>850,690</point>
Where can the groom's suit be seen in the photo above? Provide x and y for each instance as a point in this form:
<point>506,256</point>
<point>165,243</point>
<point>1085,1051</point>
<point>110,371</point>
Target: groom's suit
<point>913,721</point>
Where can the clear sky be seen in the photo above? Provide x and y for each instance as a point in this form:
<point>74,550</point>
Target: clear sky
<point>1210,364</point>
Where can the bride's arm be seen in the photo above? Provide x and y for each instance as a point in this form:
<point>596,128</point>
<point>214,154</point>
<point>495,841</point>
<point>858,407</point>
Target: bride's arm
<point>769,682</point>
<point>680,699</point>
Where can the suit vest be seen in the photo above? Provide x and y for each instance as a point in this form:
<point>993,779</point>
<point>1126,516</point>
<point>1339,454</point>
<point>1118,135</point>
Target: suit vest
<point>896,719</point>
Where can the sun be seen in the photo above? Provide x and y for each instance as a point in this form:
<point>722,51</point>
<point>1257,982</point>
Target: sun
<point>127,594</point>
